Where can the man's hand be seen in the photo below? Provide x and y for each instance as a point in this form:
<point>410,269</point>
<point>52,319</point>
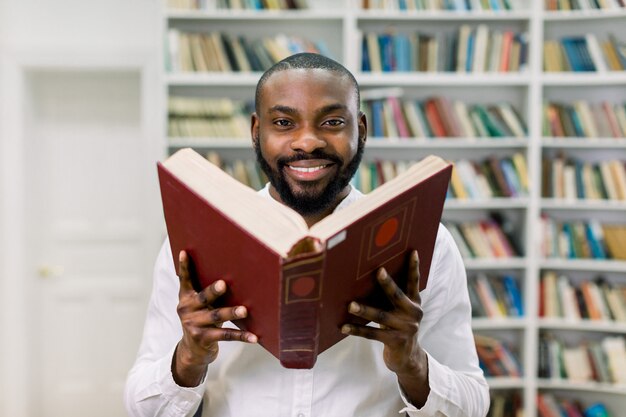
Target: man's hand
<point>202,327</point>
<point>398,331</point>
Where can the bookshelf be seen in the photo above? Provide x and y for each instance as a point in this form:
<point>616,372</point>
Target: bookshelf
<point>341,26</point>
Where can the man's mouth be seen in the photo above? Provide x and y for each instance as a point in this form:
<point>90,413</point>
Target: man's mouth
<point>309,169</point>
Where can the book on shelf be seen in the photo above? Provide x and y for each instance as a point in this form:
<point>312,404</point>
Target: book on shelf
<point>601,361</point>
<point>571,5</point>
<point>583,53</point>
<point>495,296</point>
<point>221,52</point>
<point>295,280</point>
<point>496,357</point>
<point>441,117</point>
<point>466,50</point>
<point>483,239</point>
<point>238,4</point>
<point>582,239</point>
<point>582,119</point>
<point>425,5</point>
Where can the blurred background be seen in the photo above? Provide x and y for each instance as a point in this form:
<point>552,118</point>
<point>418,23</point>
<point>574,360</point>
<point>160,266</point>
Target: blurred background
<point>80,220</point>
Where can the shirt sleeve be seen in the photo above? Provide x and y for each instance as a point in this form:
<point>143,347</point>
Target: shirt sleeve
<point>457,385</point>
<point>150,388</point>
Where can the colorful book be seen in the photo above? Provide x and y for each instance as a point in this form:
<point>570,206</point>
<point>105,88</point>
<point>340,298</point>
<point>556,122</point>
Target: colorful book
<point>298,281</point>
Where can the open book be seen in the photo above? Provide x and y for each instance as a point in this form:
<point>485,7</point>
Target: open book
<point>297,282</point>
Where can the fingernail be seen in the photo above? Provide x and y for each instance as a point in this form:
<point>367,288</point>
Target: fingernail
<point>354,307</point>
<point>219,286</point>
<point>240,311</point>
<point>345,329</point>
<point>382,274</point>
<point>181,256</point>
<point>252,339</point>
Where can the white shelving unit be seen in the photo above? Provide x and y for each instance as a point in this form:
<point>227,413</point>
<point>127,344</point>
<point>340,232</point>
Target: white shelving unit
<point>340,24</point>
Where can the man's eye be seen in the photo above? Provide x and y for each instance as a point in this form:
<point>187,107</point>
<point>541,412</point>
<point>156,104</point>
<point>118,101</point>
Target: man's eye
<point>282,122</point>
<point>334,122</point>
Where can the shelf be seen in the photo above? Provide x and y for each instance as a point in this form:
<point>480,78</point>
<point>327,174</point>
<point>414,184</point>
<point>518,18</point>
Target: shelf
<point>442,15</point>
<point>592,265</point>
<point>527,90</point>
<point>213,79</point>
<point>489,204</point>
<point>254,15</point>
<point>507,382</point>
<point>565,384</point>
<point>497,264</point>
<point>583,79</point>
<point>582,205</point>
<point>583,143</point>
<point>488,323</point>
<point>586,325</point>
<point>442,79</point>
<point>568,15</point>
<point>445,143</point>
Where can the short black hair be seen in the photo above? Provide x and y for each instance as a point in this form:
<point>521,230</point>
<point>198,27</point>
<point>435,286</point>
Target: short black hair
<point>306,60</point>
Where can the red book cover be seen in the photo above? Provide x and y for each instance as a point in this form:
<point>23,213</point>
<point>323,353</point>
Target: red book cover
<point>297,282</point>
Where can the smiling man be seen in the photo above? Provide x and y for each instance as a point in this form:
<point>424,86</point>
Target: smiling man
<point>418,357</point>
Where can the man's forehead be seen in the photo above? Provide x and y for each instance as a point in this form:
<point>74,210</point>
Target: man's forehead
<point>294,80</point>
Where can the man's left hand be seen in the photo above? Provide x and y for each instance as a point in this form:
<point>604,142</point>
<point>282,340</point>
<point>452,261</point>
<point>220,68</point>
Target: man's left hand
<point>398,331</point>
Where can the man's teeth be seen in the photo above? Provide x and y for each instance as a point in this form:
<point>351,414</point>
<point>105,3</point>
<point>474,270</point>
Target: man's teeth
<point>307,169</point>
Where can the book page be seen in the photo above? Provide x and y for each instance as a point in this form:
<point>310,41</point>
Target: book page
<point>338,221</point>
<point>275,224</point>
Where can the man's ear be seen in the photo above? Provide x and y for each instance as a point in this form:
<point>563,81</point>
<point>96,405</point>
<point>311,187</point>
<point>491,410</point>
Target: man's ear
<point>362,127</point>
<point>254,128</point>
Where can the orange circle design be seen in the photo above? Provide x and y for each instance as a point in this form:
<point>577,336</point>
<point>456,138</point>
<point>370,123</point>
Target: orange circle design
<point>303,286</point>
<point>386,232</point>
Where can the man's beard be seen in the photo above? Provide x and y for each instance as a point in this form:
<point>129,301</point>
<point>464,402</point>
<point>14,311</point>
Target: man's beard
<point>310,202</point>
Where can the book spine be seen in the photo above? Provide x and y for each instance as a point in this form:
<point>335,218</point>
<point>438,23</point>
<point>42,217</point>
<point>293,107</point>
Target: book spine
<point>299,313</point>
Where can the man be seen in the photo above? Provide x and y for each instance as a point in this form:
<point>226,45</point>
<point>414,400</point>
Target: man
<point>418,358</point>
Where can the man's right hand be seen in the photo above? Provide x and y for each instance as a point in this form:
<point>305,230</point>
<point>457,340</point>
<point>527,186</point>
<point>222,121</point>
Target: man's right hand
<point>202,327</point>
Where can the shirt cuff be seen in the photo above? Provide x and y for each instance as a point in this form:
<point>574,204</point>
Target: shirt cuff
<point>438,380</point>
<point>184,399</point>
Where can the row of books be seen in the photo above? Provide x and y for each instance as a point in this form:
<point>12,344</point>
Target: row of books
<point>237,4</point>
<point>497,358</point>
<point>489,178</point>
<point>492,177</point>
<point>208,117</point>
<point>548,405</point>
<point>584,119</point>
<point>506,404</point>
<point>582,239</point>
<point>483,239</point>
<point>457,5</point>
<point>223,52</point>
<point>554,5</point>
<point>584,53</point>
<point>439,116</point>
<point>592,360</point>
<point>591,299</point>
<point>466,50</point>
<point>573,178</point>
<point>495,296</point>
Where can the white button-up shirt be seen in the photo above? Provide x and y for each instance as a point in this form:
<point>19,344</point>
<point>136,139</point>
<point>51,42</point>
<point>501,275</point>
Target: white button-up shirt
<point>348,379</point>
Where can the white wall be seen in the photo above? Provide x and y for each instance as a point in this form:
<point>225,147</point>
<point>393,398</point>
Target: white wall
<point>50,28</point>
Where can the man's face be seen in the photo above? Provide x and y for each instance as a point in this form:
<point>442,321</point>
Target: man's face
<point>309,137</point>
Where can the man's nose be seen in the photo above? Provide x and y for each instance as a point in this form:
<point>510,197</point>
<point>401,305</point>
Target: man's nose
<point>307,140</point>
